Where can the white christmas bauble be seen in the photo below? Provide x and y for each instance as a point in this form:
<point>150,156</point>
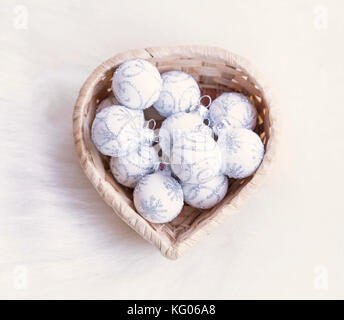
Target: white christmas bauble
<point>130,169</point>
<point>117,130</point>
<point>136,84</point>
<point>235,108</point>
<point>206,195</point>
<point>158,197</point>
<point>177,122</point>
<point>195,156</point>
<point>242,151</point>
<point>179,92</point>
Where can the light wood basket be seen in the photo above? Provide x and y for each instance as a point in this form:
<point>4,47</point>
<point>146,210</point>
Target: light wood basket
<point>216,70</point>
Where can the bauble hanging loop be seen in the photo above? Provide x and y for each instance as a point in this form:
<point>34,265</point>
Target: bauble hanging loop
<point>202,109</point>
<point>147,136</point>
<point>148,124</point>
<point>205,97</point>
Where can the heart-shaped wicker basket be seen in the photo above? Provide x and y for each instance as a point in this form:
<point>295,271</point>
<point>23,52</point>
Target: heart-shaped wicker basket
<point>216,70</point>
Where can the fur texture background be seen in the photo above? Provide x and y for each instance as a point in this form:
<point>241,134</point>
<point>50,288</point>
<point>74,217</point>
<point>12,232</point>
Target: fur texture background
<point>59,240</point>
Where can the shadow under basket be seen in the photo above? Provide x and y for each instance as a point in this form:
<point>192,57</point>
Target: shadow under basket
<point>216,71</point>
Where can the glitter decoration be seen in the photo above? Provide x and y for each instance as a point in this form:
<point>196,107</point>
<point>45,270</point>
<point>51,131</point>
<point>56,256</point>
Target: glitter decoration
<point>137,84</point>
<point>242,152</point>
<point>117,130</point>
<point>158,197</point>
<point>130,169</point>
<point>206,195</point>
<point>179,93</point>
<point>235,108</point>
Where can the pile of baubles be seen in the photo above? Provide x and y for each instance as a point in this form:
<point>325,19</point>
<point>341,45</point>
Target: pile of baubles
<point>204,144</point>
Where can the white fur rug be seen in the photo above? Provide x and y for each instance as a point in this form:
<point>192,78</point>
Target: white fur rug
<point>59,240</point>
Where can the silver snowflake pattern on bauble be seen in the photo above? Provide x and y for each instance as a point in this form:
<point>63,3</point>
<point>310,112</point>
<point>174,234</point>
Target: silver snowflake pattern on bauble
<point>116,130</point>
<point>153,206</point>
<point>174,191</point>
<point>235,171</point>
<point>154,201</point>
<point>242,151</point>
<point>232,143</point>
<point>205,196</point>
<point>235,108</point>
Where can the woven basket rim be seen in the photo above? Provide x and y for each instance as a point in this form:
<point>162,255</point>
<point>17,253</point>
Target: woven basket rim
<point>112,197</point>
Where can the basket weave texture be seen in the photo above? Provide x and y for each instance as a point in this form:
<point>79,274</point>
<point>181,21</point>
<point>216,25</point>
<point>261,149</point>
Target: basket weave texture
<point>216,70</point>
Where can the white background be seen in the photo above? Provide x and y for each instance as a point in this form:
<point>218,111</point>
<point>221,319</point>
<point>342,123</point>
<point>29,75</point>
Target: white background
<point>58,239</point>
